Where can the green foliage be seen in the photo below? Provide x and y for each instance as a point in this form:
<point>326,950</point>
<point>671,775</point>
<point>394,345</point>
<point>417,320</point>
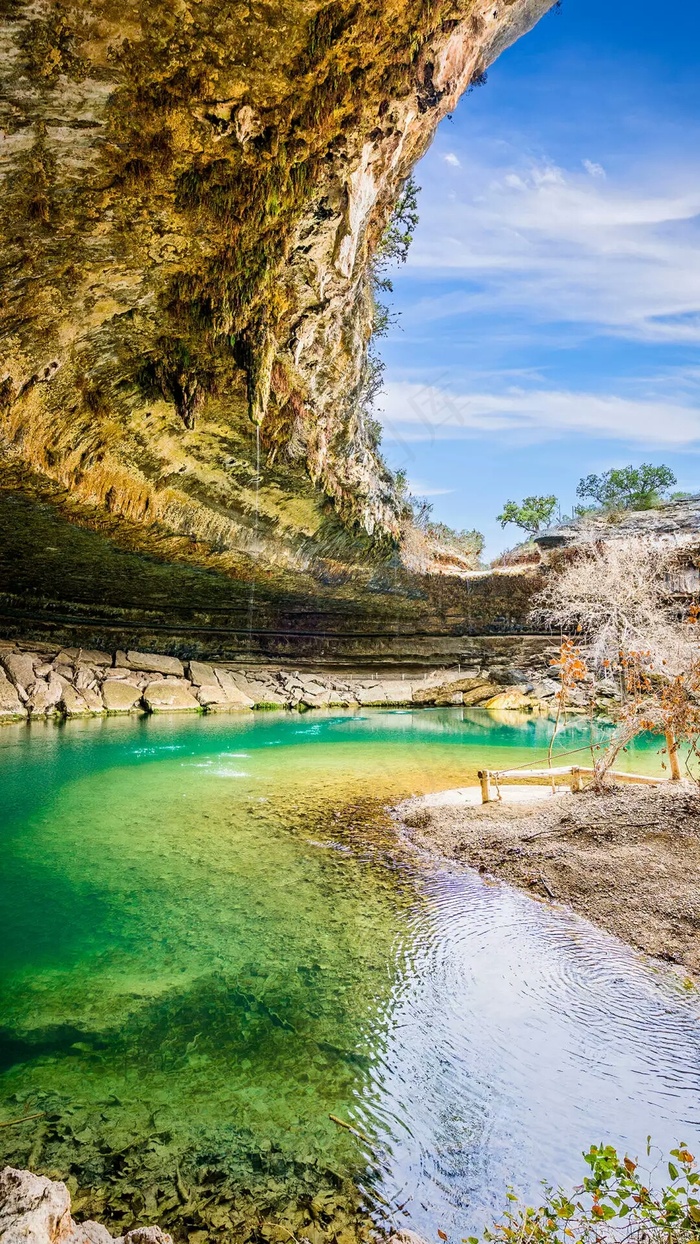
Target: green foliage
<point>628,488</point>
<point>392,249</point>
<point>532,513</point>
<point>468,544</point>
<point>615,1202</point>
<point>465,545</point>
<point>402,225</point>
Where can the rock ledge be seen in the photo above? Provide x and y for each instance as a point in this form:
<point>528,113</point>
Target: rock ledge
<point>41,680</point>
<point>36,1210</point>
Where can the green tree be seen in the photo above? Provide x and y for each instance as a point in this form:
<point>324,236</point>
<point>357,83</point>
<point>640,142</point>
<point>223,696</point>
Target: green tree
<point>398,235</point>
<point>392,249</point>
<point>628,488</point>
<point>532,513</point>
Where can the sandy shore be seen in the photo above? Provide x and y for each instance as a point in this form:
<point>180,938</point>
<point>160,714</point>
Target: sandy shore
<point>629,860</point>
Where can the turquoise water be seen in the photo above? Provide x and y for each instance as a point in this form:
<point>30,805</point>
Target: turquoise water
<point>212,943</point>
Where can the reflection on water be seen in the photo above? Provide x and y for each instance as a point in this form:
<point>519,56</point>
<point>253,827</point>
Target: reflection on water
<point>212,944</point>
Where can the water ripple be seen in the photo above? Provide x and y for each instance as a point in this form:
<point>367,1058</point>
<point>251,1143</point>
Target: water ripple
<point>520,1034</point>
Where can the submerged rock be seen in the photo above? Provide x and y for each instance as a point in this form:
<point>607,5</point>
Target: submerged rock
<point>36,1210</point>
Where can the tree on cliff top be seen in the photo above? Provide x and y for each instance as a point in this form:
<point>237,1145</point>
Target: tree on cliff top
<point>628,488</point>
<point>531,514</point>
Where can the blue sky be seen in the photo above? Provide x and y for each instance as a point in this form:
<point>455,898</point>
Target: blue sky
<point>550,308</point>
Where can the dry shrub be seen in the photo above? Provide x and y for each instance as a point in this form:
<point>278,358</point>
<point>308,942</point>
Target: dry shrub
<point>618,595</point>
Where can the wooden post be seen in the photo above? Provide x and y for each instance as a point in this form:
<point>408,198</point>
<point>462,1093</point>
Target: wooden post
<point>485,786</point>
<point>576,783</point>
<point>672,749</point>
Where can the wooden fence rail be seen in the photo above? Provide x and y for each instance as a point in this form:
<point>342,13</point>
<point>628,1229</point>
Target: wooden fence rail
<point>576,771</point>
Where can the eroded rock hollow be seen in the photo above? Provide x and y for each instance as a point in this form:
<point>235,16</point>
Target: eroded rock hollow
<point>192,195</point>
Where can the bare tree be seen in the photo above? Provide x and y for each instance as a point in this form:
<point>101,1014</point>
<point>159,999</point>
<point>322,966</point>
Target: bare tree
<point>617,596</point>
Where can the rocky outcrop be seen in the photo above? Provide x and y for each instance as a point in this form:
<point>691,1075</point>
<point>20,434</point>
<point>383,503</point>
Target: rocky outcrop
<point>191,198</point>
<point>37,681</point>
<point>675,523</point>
<point>36,1210</point>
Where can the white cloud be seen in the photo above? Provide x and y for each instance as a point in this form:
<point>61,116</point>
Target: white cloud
<point>617,253</point>
<point>415,412</point>
<point>452,159</point>
<point>418,488</point>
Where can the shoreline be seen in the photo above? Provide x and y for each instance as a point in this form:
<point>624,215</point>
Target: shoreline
<point>627,860</point>
<point>45,681</point>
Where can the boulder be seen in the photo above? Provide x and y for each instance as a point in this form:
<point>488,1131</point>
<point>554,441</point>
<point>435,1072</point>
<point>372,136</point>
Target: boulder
<point>173,697</point>
<point>153,663</point>
<point>398,691</point>
<point>606,689</point>
<point>235,697</point>
<point>11,707</point>
<point>512,700</point>
<point>202,675</point>
<point>72,702</point>
<point>342,698</point>
<point>19,667</point>
<point>119,697</point>
<point>210,697</point>
<point>263,694</point>
<point>441,691</point>
<point>449,699</point>
<point>44,697</point>
<point>370,695</point>
<point>93,699</point>
<point>88,656</point>
<point>36,1210</point>
<point>544,688</point>
<point>308,700</point>
<point>85,676</point>
<point>479,695</point>
<point>311,685</point>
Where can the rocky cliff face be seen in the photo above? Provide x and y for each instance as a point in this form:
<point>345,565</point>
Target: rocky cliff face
<point>191,197</point>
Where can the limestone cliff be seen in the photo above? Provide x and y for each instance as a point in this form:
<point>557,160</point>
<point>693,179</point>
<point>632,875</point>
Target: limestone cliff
<point>192,193</point>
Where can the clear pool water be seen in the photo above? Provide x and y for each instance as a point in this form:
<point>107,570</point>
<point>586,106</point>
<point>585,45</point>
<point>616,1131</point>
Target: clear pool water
<point>212,943</point>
